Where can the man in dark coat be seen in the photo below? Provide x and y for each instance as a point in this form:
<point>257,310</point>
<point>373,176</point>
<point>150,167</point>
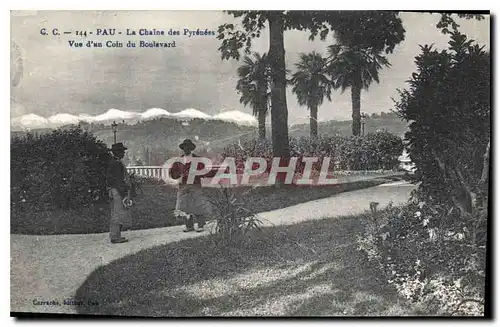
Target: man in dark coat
<point>119,189</point>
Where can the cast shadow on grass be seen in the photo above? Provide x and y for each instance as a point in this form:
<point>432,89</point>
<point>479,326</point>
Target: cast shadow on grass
<point>307,269</point>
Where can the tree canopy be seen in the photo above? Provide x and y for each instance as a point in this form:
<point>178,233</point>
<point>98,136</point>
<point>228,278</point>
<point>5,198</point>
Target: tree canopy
<point>379,30</point>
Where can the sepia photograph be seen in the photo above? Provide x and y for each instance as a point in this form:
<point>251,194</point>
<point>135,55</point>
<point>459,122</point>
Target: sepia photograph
<point>249,163</point>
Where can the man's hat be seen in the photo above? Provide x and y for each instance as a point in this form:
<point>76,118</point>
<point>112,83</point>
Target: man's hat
<point>118,147</point>
<point>187,144</point>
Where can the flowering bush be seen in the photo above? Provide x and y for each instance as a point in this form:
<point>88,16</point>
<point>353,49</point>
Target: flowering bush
<point>429,257</point>
<point>376,151</point>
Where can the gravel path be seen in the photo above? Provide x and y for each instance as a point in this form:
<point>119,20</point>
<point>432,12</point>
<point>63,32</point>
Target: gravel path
<point>52,267</point>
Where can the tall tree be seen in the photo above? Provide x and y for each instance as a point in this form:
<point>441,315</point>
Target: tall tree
<point>380,30</point>
<point>253,86</point>
<point>311,85</point>
<point>355,68</point>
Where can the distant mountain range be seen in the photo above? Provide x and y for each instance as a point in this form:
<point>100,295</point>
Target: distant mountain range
<point>33,122</point>
<point>387,122</point>
<point>153,136</point>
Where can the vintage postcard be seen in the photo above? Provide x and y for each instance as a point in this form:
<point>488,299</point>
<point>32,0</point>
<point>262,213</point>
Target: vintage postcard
<point>250,163</point>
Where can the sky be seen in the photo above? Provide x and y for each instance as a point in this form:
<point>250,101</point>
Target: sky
<point>55,78</point>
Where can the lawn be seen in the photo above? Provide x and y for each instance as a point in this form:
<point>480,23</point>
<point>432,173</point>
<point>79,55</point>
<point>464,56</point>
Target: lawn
<point>154,208</point>
<point>307,269</point>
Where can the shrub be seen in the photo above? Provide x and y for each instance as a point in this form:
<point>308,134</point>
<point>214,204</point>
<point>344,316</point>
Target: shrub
<point>433,249</point>
<point>374,152</point>
<point>146,180</point>
<point>233,221</point>
<point>64,169</point>
<point>382,150</point>
<point>430,260</point>
<point>448,105</point>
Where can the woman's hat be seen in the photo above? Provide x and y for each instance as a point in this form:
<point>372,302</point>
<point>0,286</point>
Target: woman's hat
<point>118,147</point>
<point>187,144</point>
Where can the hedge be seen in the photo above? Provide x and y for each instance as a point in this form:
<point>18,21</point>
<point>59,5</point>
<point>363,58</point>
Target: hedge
<point>375,151</point>
<point>64,169</point>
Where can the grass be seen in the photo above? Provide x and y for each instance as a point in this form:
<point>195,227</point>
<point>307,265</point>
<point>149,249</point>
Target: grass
<point>307,269</point>
<point>155,208</point>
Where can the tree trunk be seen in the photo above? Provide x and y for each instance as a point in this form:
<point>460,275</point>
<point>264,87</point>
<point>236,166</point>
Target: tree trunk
<point>356,108</point>
<point>486,166</point>
<point>313,121</point>
<point>279,111</point>
<point>461,194</point>
<point>262,124</point>
<point>262,108</point>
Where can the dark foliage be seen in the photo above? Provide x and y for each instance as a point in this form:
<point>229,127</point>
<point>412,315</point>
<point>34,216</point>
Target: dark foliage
<point>374,152</point>
<point>429,257</point>
<point>448,105</point>
<point>447,21</point>
<point>64,169</point>
<point>379,30</point>
<point>434,249</point>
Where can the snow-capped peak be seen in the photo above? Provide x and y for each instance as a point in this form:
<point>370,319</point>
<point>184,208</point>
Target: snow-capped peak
<point>63,119</point>
<point>86,118</point>
<point>236,116</point>
<point>31,121</point>
<point>116,114</point>
<point>191,113</point>
<point>154,112</point>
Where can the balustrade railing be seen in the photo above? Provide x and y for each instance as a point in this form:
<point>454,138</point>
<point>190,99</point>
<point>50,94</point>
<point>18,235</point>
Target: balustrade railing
<point>148,171</point>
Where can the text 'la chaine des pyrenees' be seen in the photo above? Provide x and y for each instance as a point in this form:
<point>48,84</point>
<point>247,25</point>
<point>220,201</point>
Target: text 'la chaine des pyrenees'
<point>157,32</point>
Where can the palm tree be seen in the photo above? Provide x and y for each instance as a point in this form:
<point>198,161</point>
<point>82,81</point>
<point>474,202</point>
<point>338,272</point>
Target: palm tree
<point>254,88</point>
<point>355,68</point>
<point>311,85</point>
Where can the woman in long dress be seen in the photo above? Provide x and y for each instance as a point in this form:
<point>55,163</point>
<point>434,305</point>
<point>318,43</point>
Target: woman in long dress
<point>191,202</point>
